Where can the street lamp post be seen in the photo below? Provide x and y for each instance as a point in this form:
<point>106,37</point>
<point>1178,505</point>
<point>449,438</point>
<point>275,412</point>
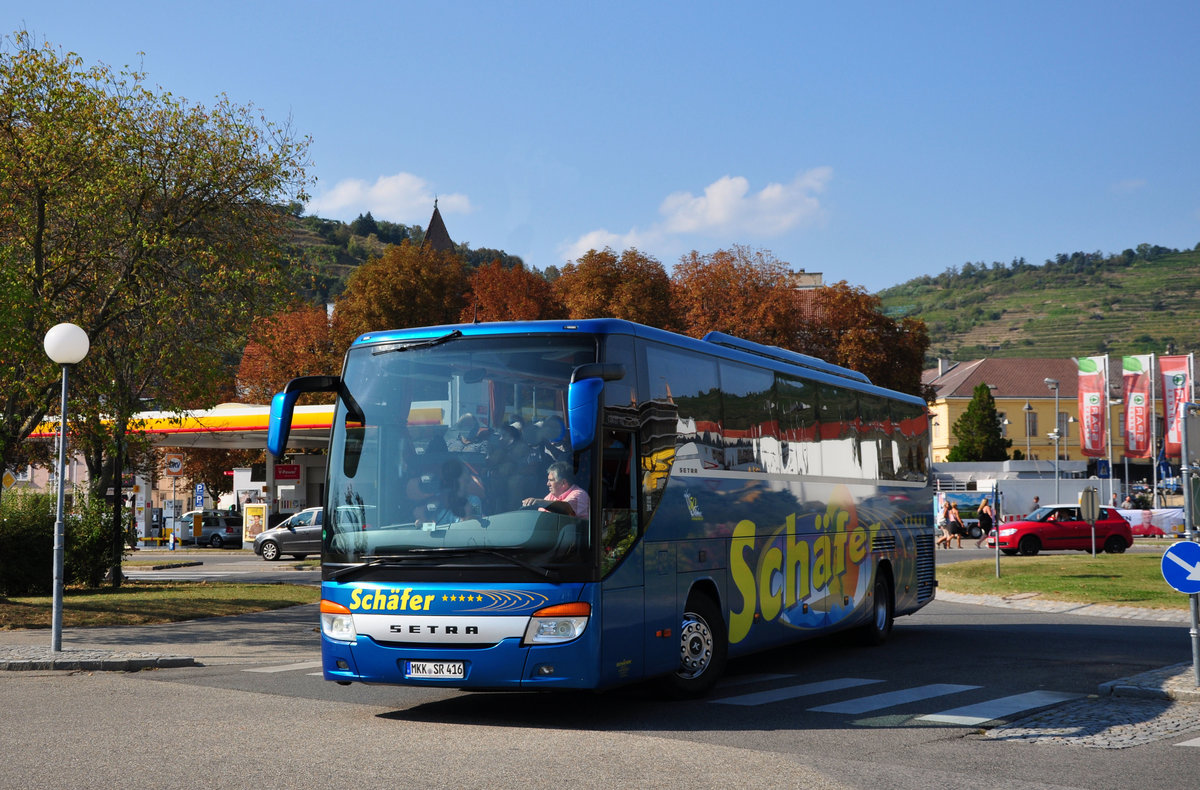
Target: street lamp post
<point>1053,385</point>
<point>67,345</point>
<point>1028,411</point>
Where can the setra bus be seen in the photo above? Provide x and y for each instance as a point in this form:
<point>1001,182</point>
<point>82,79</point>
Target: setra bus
<point>736,497</point>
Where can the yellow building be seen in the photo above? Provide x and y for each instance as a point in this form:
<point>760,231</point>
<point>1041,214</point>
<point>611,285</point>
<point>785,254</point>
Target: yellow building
<point>1024,391</point>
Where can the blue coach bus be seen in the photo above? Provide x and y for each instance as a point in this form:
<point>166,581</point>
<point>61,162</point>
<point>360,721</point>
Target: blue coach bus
<point>545,505</point>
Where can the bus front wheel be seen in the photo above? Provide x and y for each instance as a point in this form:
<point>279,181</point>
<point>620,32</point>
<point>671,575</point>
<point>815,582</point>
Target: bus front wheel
<point>702,648</point>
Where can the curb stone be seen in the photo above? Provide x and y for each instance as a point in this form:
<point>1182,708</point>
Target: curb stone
<point>43,658</point>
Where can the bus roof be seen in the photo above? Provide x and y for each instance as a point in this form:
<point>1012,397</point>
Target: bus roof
<point>716,343</point>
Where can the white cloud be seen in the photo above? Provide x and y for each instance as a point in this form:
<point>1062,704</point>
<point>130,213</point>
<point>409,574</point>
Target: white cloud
<point>599,239</point>
<point>402,197</point>
<point>727,209</point>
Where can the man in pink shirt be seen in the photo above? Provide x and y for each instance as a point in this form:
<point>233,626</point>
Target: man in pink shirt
<point>565,497</point>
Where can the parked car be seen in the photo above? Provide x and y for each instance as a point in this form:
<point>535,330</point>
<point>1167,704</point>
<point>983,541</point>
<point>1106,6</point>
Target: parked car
<point>299,535</point>
<point>217,528</point>
<point>1055,527</point>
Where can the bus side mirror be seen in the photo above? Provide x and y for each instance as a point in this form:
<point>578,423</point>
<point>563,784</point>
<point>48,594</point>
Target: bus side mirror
<point>284,403</point>
<point>583,407</point>
<point>583,400</point>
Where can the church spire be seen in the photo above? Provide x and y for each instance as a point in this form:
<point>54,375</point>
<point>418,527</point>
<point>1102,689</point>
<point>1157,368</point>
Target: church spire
<point>436,235</point>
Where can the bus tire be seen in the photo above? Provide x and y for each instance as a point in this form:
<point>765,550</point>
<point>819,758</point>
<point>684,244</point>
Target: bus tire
<point>703,645</point>
<point>883,611</point>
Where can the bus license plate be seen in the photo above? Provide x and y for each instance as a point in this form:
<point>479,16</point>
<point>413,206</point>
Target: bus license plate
<point>434,669</point>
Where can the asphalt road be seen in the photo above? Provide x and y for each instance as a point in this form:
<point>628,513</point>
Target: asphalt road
<point>820,714</point>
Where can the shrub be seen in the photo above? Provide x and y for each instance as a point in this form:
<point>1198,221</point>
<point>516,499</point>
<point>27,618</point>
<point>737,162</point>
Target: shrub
<point>89,541</point>
<point>26,543</point>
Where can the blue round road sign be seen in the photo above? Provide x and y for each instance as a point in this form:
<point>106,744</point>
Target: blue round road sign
<point>1181,567</point>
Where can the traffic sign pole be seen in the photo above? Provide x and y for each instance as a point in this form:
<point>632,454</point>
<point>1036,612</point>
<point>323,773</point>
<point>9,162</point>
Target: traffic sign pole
<point>1089,506</point>
<point>1191,422</point>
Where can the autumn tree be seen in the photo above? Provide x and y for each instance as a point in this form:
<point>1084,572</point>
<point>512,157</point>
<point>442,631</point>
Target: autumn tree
<point>496,293</point>
<point>740,291</point>
<point>847,326</point>
<point>209,465</point>
<point>407,286</point>
<point>291,343</point>
<point>633,286</point>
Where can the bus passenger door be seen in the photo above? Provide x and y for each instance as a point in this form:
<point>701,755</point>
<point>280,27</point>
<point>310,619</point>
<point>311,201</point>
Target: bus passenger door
<point>622,561</point>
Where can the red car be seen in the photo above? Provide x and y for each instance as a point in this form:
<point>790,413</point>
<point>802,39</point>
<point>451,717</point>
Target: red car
<point>1056,527</point>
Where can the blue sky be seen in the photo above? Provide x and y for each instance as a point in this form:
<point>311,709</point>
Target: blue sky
<point>872,142</point>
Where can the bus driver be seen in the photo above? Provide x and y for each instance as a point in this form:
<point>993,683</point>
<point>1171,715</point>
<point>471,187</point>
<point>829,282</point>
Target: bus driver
<point>565,497</point>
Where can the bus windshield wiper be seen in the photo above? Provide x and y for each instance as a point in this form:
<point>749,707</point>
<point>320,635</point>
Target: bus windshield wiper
<point>466,551</point>
<point>419,344</point>
<point>372,561</point>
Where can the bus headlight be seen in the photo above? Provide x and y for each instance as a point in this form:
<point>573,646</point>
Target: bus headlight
<point>557,624</point>
<point>337,622</point>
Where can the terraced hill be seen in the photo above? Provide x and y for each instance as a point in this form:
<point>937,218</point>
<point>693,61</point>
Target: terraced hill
<point>1137,302</point>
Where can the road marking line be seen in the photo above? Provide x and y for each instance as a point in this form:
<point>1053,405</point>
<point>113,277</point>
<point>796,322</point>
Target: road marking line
<point>980,713</point>
<point>286,667</point>
<point>742,680</point>
<point>1192,742</point>
<point>892,698</point>
<point>792,692</point>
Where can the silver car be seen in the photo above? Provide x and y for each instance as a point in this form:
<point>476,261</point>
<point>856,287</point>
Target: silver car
<point>217,528</point>
<point>299,535</point>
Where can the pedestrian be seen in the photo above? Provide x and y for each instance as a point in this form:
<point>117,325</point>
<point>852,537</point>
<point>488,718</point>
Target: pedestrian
<point>956,525</point>
<point>987,517</point>
<point>943,525</point>
<point>1036,504</point>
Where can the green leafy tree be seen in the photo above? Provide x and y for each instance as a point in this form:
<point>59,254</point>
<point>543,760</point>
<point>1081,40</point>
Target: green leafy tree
<point>977,431</point>
<point>156,225</point>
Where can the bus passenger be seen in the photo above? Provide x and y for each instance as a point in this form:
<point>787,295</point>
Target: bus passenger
<point>565,496</point>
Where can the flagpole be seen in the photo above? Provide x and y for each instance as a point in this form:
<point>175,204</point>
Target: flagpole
<point>1154,427</point>
<point>1108,425</point>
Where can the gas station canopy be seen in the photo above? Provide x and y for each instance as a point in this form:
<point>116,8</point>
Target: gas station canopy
<point>233,426</point>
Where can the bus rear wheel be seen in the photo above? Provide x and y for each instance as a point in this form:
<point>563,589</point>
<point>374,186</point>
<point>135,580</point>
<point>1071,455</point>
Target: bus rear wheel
<point>703,645</point>
<point>883,612</point>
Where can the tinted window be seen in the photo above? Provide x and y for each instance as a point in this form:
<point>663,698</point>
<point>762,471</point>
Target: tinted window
<point>800,449</point>
<point>910,438</point>
<point>839,426</point>
<point>681,420</point>
<point>748,426</point>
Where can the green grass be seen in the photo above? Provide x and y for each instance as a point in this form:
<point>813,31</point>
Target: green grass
<point>1118,579</point>
<point>144,603</point>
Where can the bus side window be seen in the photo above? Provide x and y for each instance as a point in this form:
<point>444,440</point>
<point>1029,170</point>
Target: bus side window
<point>621,524</point>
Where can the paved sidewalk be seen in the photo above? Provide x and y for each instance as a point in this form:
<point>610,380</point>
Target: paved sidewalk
<point>219,640</point>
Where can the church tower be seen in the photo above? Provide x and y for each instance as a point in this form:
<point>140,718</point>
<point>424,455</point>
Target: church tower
<point>436,236</point>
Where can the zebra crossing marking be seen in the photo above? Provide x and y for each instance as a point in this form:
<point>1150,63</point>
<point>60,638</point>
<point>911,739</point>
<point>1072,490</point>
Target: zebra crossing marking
<point>982,712</point>
<point>792,692</point>
<point>892,698</point>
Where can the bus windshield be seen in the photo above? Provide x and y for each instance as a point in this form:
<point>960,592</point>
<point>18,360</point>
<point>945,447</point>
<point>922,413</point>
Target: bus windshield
<point>453,452</point>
